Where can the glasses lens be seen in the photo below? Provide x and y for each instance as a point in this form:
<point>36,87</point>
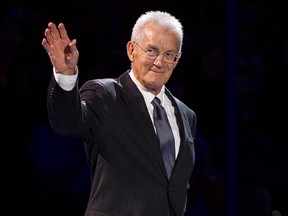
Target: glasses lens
<point>166,59</point>
<point>171,58</point>
<point>152,54</point>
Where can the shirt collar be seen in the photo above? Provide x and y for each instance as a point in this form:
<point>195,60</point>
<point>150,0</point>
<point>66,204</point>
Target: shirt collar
<point>148,96</point>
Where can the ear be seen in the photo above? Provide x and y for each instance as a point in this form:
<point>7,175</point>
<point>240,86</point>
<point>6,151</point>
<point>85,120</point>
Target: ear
<point>130,50</point>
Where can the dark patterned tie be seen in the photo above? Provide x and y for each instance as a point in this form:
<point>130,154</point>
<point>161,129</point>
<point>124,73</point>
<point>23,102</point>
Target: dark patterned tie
<point>165,135</point>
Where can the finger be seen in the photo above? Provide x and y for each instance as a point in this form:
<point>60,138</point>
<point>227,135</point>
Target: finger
<point>48,36</point>
<point>63,32</point>
<point>53,30</point>
<point>45,44</point>
<point>72,46</point>
<point>73,50</point>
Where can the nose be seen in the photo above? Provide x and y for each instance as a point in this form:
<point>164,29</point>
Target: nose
<point>159,59</point>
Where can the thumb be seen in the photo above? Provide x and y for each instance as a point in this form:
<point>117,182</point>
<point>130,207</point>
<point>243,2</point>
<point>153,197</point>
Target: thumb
<point>72,46</point>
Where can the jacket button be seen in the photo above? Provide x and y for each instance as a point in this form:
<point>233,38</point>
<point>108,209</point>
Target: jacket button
<point>169,189</point>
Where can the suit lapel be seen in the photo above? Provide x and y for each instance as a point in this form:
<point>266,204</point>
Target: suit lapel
<point>136,104</point>
<point>180,118</point>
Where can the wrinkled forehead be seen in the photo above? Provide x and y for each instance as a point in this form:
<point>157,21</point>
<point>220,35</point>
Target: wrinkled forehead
<point>164,37</point>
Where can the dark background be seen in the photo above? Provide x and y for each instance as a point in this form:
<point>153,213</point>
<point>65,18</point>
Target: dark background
<point>43,173</point>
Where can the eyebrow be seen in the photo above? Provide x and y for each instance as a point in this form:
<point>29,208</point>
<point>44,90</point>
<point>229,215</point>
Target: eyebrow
<point>154,47</point>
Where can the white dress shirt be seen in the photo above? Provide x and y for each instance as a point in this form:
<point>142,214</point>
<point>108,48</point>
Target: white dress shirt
<point>166,103</point>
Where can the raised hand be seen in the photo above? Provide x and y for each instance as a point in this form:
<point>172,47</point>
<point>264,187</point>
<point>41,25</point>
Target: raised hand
<point>62,51</point>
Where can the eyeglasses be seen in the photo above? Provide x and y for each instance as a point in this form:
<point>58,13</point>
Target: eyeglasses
<point>152,54</point>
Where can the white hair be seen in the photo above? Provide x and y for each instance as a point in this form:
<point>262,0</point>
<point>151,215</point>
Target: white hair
<point>160,18</point>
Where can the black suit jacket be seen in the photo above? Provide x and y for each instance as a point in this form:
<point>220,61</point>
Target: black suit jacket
<point>128,173</point>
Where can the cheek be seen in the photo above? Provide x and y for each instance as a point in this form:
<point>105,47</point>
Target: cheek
<point>170,70</point>
<point>168,73</point>
<point>167,77</point>
<point>141,69</point>
<point>142,65</point>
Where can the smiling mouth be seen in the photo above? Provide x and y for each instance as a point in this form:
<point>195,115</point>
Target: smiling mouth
<point>157,71</point>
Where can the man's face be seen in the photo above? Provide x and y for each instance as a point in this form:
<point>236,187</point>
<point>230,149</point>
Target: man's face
<point>151,72</point>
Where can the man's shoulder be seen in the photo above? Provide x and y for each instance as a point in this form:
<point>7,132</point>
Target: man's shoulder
<point>184,107</point>
<point>96,83</point>
<point>106,82</point>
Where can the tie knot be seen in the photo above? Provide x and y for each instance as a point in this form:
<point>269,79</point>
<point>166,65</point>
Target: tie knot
<point>156,101</point>
<point>158,109</point>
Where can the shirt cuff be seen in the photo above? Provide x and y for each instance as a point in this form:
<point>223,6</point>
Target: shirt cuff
<point>66,82</point>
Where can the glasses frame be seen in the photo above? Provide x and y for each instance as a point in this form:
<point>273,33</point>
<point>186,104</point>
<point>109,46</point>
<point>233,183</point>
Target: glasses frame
<point>157,54</point>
